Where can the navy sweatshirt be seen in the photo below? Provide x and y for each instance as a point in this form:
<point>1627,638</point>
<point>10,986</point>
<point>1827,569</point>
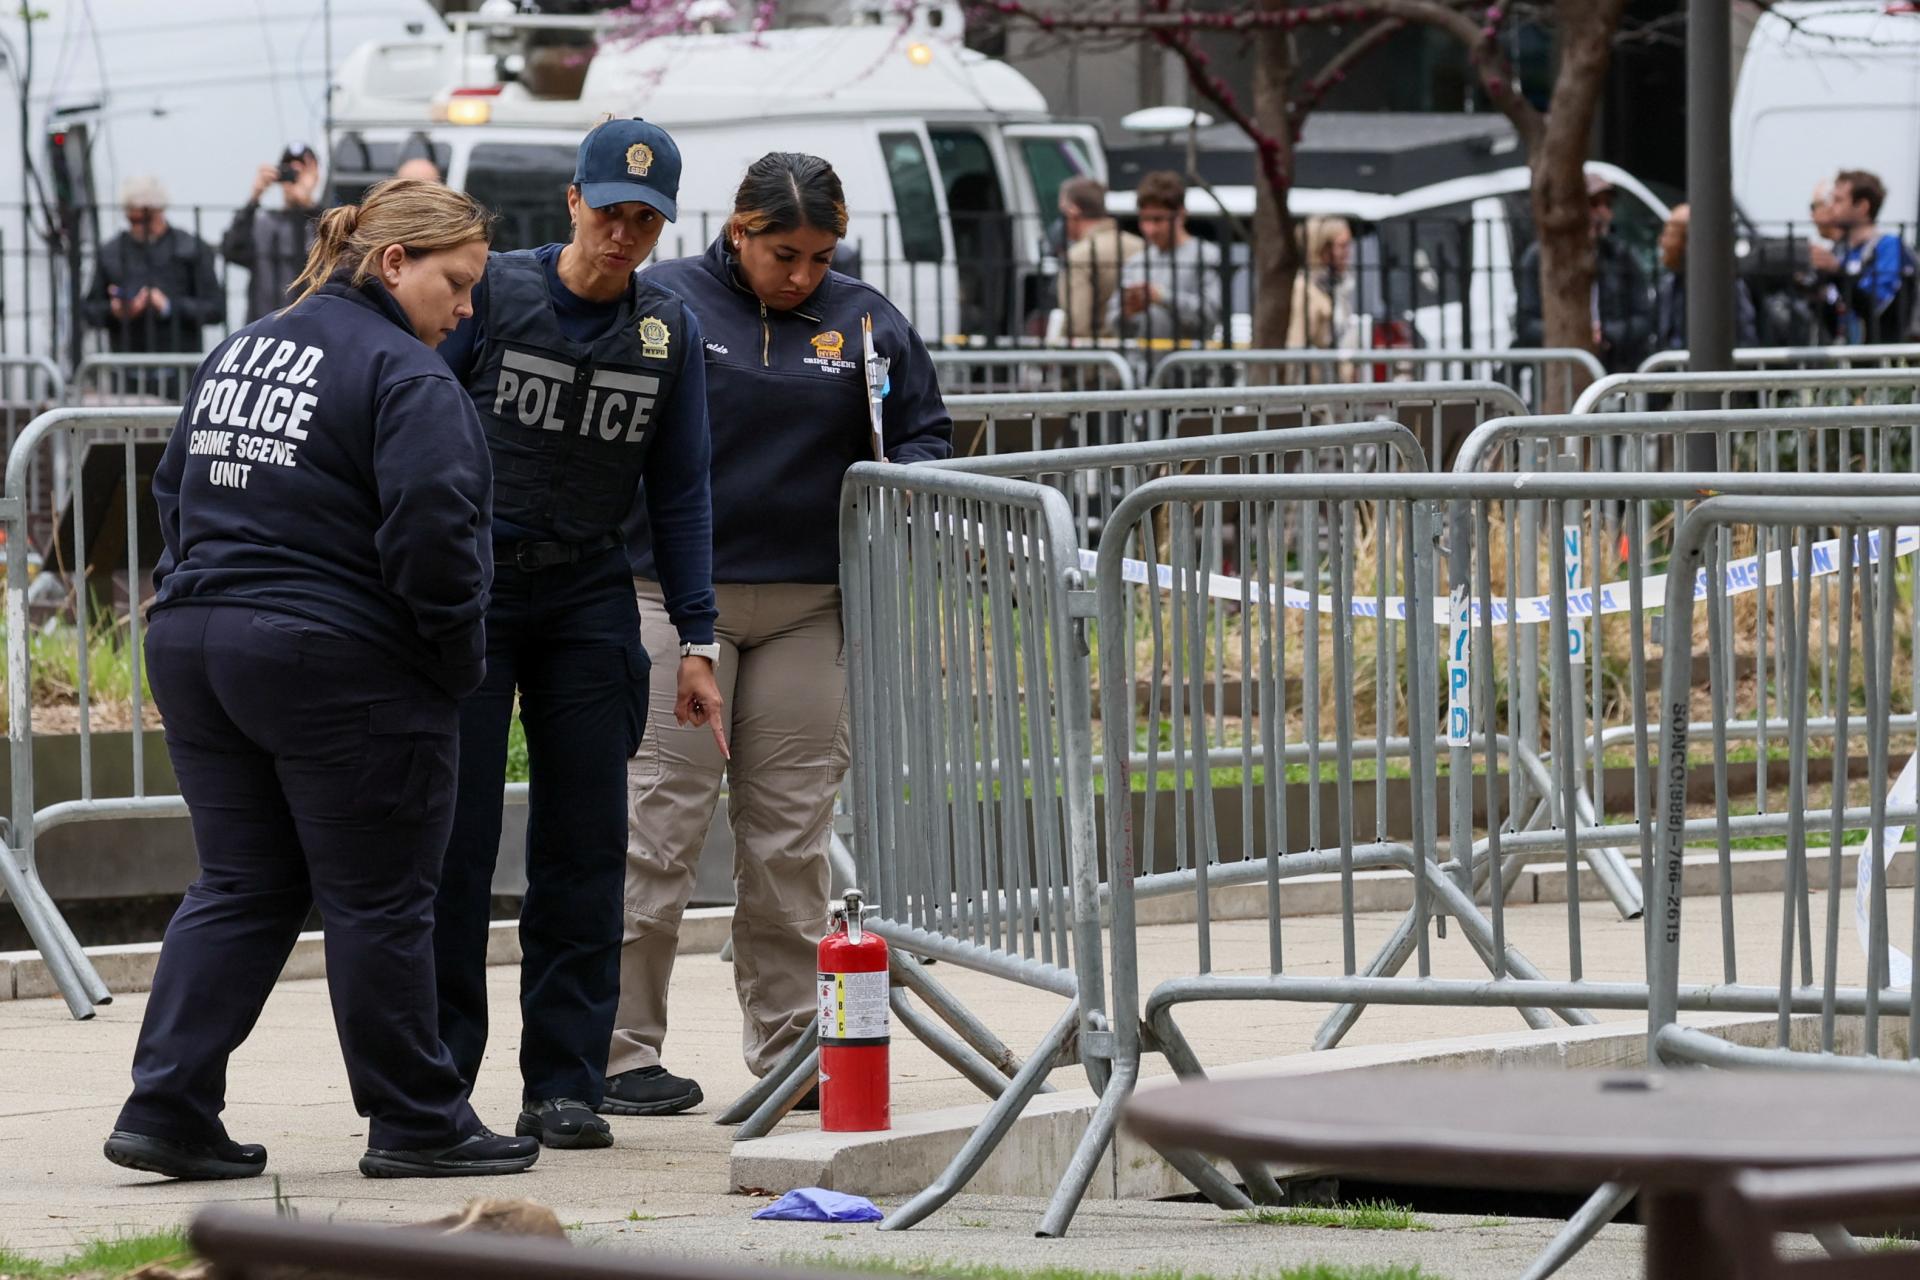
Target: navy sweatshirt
<point>326,465</point>
<point>786,403</point>
<point>677,460</point>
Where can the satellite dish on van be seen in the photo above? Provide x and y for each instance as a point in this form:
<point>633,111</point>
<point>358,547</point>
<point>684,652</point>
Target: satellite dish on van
<point>1165,120</point>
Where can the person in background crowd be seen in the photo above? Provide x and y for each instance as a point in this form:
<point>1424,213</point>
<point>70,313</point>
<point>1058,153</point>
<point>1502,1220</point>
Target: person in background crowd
<point>272,243</point>
<point>1621,306</point>
<point>589,382</point>
<point>1171,289</point>
<point>318,610</point>
<point>1670,297</point>
<point>154,288</point>
<point>1322,314</point>
<point>1871,271</point>
<point>1096,246</point>
<point>419,168</point>
<point>787,397</point>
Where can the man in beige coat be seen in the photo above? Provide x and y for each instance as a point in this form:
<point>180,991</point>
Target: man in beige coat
<point>1097,248</point>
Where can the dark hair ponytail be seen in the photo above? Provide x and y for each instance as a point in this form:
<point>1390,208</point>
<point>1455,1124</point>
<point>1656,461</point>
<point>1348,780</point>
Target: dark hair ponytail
<point>785,191</point>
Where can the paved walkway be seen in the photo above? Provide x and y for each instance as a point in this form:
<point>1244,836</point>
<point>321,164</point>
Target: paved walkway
<point>664,1184</point>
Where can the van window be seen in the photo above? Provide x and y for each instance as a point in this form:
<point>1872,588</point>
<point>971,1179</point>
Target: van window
<point>913,200</point>
<point>359,163</point>
<point>982,232</point>
<point>526,185</point>
<point>1050,162</point>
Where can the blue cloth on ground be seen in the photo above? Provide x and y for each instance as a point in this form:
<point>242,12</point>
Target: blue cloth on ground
<point>816,1204</point>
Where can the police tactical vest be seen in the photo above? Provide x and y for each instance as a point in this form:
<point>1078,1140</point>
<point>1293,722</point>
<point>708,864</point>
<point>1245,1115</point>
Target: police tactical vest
<point>568,423</point>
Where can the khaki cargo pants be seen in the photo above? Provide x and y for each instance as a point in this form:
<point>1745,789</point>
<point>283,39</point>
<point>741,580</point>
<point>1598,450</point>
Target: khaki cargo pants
<point>782,671</point>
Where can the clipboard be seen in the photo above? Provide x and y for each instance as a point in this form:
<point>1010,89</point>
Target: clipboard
<point>875,366</point>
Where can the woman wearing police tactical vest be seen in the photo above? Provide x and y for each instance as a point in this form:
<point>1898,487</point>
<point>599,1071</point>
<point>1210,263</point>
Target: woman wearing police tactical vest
<point>787,400</point>
<point>317,611</point>
<point>587,382</point>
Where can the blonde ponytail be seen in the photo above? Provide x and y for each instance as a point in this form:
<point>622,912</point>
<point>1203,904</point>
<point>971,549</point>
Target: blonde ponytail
<point>420,217</point>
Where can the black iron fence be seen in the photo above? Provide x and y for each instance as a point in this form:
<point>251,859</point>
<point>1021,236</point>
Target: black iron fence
<point>1439,280</point>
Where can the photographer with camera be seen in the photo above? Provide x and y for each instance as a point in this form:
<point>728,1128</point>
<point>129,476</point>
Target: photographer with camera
<point>272,244</point>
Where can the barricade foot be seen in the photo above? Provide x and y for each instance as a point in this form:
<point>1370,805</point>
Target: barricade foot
<point>947,1047</point>
<point>781,1100</point>
<point>65,960</point>
<point>1600,1209</point>
<point>993,1128</point>
<point>1208,1180</point>
<point>753,1099</point>
<point>910,973</point>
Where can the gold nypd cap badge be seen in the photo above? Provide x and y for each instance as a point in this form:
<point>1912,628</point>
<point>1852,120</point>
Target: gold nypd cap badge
<point>654,336</point>
<point>639,159</point>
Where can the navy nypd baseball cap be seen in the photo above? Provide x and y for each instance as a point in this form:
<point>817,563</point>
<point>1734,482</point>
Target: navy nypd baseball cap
<point>623,160</point>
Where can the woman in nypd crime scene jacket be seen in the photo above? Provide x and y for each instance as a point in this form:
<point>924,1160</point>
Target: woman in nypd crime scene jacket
<point>787,404</point>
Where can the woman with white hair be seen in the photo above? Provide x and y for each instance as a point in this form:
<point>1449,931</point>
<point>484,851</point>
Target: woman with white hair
<point>154,288</point>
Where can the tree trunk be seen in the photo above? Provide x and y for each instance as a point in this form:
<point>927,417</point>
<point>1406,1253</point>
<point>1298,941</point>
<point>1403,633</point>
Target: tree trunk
<point>1276,253</point>
<point>1586,29</point>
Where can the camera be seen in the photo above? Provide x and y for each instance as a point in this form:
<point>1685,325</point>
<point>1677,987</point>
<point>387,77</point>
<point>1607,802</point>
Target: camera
<point>288,174</point>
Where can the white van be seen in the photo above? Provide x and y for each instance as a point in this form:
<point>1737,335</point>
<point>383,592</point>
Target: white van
<point>1824,87</point>
<point>199,95</point>
<point>1435,265</point>
<point>951,162</point>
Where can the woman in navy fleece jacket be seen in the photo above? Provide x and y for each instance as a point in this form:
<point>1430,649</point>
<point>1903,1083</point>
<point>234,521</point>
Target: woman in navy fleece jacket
<point>787,406</point>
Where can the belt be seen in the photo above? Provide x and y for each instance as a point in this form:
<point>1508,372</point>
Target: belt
<point>533,556</point>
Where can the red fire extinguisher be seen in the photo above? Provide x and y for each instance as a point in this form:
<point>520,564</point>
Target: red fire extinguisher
<point>854,1054</point>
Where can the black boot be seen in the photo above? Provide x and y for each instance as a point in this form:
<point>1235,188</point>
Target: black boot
<point>192,1162</point>
<point>563,1122</point>
<point>475,1155</point>
<point>649,1091</point>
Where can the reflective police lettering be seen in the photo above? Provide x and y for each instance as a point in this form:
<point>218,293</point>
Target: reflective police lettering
<point>533,385</point>
<point>229,475</point>
<point>281,354</point>
<point>642,387</point>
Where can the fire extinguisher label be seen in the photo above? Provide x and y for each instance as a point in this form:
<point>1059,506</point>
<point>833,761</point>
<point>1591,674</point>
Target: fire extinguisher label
<point>853,1007</point>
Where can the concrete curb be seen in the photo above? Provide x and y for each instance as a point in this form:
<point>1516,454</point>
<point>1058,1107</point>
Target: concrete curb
<point>1033,1157</point>
<point>129,968</point>
<point>705,930</point>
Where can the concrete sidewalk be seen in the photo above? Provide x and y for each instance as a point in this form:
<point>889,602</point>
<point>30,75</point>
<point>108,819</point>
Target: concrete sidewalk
<point>666,1182</point>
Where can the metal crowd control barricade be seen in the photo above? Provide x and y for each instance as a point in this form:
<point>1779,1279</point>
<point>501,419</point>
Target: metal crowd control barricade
<point>963,371</point>
<point>1435,412</point>
<point>29,386</point>
<point>1545,377</point>
<point>1833,572</point>
<point>1326,547</point>
<point>78,624</point>
<point>1785,441</point>
<point>1755,389</point>
<point>1381,445</point>
<point>1863,356</point>
<point>973,789</point>
<point>133,378</point>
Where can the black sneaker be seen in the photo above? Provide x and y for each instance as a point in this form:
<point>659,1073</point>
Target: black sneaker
<point>477,1155</point>
<point>649,1091</point>
<point>191,1162</point>
<point>562,1122</point>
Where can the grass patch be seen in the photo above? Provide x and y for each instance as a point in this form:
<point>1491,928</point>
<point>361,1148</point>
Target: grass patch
<point>109,1257</point>
<point>1368,1215</point>
<point>1888,1244</point>
<point>948,1269</point>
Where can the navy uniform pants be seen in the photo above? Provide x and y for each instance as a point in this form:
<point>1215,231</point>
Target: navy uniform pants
<point>317,769</point>
<point>567,637</point>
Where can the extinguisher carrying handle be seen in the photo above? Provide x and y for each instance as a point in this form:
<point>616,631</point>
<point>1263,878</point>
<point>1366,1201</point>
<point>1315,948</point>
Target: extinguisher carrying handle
<point>851,912</point>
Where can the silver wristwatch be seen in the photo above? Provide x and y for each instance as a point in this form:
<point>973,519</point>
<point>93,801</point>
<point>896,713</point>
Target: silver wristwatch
<point>711,652</point>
